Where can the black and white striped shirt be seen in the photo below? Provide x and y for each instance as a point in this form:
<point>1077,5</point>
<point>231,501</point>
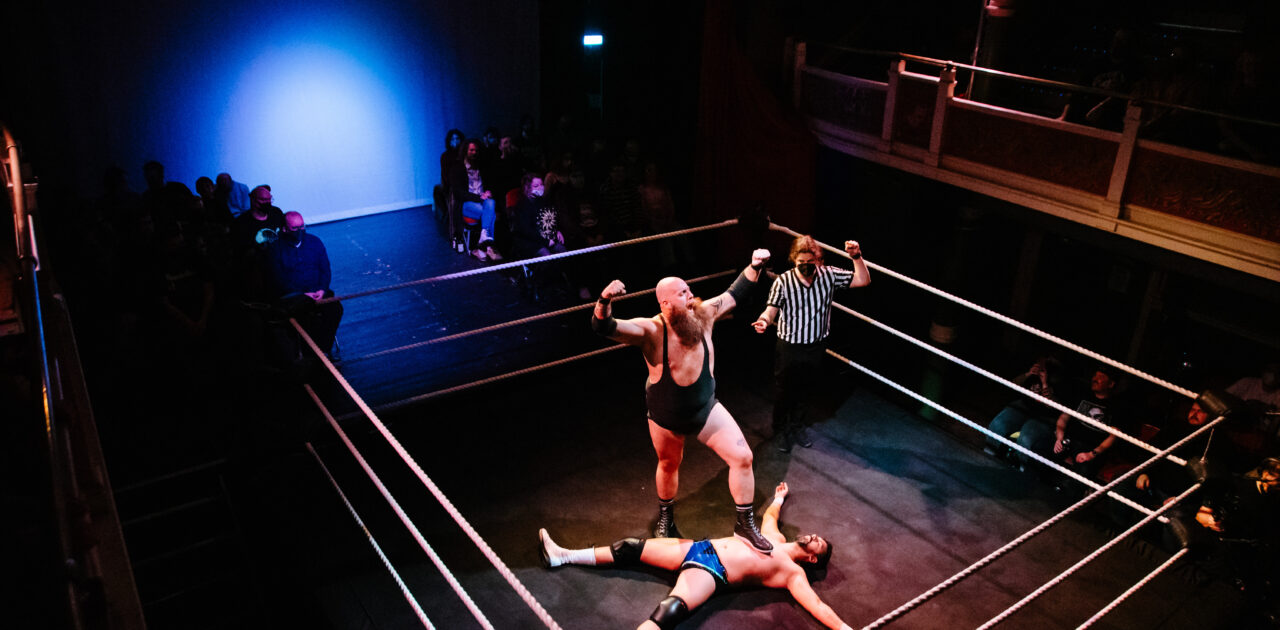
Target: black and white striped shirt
<point>805,311</point>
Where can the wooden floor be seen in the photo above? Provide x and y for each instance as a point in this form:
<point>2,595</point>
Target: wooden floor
<point>906,500</point>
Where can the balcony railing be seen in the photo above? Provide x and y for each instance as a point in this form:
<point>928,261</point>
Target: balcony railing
<point>1216,208</point>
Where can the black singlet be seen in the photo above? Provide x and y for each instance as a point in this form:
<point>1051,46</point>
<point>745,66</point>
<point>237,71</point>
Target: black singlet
<point>681,408</point>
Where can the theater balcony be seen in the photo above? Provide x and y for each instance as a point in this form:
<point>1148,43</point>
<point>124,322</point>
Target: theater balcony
<point>937,119</point>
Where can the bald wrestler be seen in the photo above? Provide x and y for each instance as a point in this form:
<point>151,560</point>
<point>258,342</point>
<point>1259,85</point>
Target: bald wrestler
<point>704,566</point>
<point>681,388</point>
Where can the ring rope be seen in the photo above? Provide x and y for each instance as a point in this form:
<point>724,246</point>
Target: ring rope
<point>493,379</point>
<point>995,555</point>
<point>1133,589</point>
<point>422,616</point>
<point>516,322</point>
<point>395,505</point>
<point>488,552</point>
<point>989,433</point>
<point>530,261</point>
<point>999,379</point>
<point>1087,559</point>
<point>1004,318</point>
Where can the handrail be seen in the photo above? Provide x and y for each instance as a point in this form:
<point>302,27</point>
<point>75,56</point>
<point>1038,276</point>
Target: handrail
<point>24,241</point>
<point>1022,78</point>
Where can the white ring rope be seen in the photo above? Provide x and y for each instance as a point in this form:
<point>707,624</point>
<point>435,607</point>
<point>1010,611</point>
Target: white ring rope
<point>1087,559</point>
<point>500,377</point>
<point>404,518</point>
<point>1098,492</point>
<point>488,552</point>
<point>989,433</point>
<point>530,261</point>
<point>1133,589</point>
<point>1004,318</point>
<point>517,322</point>
<point>545,617</point>
<point>1010,384</point>
<point>422,616</point>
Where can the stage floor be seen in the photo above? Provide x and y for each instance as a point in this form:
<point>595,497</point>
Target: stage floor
<point>906,500</point>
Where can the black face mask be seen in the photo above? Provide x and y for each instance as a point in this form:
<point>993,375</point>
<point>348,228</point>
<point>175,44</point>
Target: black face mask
<point>807,269</point>
<point>292,237</point>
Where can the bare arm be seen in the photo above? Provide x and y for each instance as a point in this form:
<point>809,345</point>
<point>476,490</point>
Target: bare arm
<point>861,277</point>
<point>798,586</point>
<point>629,331</point>
<point>720,305</point>
<point>1097,450</point>
<point>766,319</point>
<point>1060,432</point>
<point>769,520</point>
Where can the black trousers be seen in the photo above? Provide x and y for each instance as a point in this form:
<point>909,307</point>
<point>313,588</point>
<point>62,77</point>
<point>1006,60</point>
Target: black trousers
<point>795,372</point>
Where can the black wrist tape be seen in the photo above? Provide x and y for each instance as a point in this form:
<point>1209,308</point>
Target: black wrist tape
<point>604,327</point>
<point>740,287</point>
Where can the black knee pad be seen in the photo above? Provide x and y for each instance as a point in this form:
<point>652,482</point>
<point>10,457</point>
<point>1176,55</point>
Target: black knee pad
<point>670,612</point>
<point>626,552</point>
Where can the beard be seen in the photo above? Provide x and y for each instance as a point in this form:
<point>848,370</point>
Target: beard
<point>688,324</point>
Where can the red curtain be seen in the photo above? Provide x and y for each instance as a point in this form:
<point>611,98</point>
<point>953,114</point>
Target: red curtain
<point>752,149</point>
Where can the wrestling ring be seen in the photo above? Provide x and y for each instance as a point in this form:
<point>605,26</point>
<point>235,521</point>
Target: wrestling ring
<point>368,419</point>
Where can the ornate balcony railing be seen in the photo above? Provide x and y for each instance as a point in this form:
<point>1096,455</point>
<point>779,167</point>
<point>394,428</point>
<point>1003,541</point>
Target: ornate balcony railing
<point>1208,206</point>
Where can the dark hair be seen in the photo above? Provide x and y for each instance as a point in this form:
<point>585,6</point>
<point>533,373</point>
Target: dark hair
<point>824,558</point>
<point>1111,372</point>
<point>528,179</point>
<point>1269,465</point>
<point>817,569</point>
<point>462,147</point>
<point>451,134</point>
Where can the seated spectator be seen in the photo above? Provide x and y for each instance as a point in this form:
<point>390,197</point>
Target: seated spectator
<point>531,147</point>
<point>1235,531</point>
<point>261,215</point>
<point>1164,479</point>
<point>1249,93</point>
<point>182,285</point>
<point>507,170</point>
<point>1174,79</point>
<point>1263,389</point>
<point>565,181</point>
<point>537,229</point>
<point>657,205</point>
<point>214,208</point>
<point>474,200</point>
<point>298,274</point>
<point>234,194</point>
<point>620,203</point>
<point>1031,419</point>
<point>1082,446</point>
<point>488,149</point>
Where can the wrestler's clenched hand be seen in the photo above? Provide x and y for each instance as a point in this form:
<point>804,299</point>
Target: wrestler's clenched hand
<point>614,289</point>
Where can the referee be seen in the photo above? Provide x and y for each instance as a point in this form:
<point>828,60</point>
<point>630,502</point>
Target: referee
<point>800,304</point>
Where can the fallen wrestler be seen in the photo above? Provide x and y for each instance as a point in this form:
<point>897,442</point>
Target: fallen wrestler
<point>705,565</point>
<point>680,391</point>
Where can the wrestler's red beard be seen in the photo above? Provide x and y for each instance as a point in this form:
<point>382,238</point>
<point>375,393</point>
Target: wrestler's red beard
<point>689,324</point>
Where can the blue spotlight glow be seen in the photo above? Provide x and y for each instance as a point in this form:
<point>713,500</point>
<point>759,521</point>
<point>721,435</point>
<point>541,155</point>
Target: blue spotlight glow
<point>593,39</point>
<point>335,111</point>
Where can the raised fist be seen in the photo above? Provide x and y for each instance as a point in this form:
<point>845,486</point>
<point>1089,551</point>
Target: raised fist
<point>614,289</point>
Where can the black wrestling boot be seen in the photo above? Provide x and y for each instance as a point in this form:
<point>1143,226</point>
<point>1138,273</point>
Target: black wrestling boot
<point>666,526</point>
<point>746,530</point>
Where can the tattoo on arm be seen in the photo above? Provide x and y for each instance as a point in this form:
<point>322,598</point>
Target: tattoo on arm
<point>742,442</point>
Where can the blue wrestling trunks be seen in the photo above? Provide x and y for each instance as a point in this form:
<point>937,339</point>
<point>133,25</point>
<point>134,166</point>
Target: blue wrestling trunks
<point>702,555</point>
